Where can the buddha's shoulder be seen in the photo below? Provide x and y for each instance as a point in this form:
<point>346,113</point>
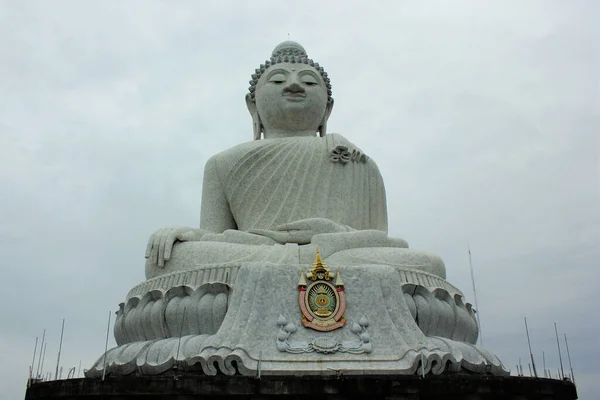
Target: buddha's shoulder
<point>336,139</point>
<point>237,150</point>
<point>242,150</point>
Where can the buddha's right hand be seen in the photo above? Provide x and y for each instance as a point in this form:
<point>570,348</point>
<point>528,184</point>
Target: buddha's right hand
<point>161,242</point>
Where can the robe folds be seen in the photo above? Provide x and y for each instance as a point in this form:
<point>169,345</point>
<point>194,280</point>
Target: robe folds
<point>263,184</point>
<point>274,181</point>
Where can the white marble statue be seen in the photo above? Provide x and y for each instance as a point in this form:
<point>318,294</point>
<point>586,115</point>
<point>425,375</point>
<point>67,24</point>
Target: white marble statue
<point>297,186</point>
<point>224,297</point>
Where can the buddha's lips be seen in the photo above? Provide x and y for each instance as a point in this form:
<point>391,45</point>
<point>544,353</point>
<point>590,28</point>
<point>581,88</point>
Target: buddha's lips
<point>294,96</point>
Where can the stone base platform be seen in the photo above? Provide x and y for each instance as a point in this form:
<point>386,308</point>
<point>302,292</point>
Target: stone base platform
<point>187,386</point>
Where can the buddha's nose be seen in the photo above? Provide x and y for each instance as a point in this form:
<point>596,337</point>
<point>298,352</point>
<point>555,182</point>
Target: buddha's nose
<point>294,87</point>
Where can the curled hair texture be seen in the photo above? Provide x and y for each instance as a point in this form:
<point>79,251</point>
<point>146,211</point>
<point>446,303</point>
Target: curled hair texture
<point>288,52</point>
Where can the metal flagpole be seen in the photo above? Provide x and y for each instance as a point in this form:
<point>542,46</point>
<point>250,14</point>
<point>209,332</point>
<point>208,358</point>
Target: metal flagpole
<point>475,295</point>
<point>569,355</point>
<point>530,353</point>
<point>544,362</point>
<point>520,367</point>
<point>559,355</point>
<point>37,372</point>
<point>59,349</point>
<point>33,361</point>
<point>44,358</point>
<point>106,347</point>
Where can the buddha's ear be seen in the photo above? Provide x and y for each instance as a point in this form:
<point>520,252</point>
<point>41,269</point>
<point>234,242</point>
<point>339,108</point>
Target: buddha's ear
<point>256,123</point>
<point>323,126</point>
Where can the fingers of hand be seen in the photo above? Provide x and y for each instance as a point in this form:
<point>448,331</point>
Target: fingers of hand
<point>186,236</point>
<point>295,236</point>
<point>149,246</point>
<point>275,235</point>
<point>161,248</point>
<point>309,224</point>
<point>293,226</point>
<point>301,237</point>
<point>170,240</point>
<point>154,252</point>
<point>264,232</point>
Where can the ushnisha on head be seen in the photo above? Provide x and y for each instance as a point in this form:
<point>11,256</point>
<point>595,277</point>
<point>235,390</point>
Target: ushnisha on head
<point>289,95</point>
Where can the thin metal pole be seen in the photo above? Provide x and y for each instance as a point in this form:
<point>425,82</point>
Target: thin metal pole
<point>544,362</point>
<point>37,373</point>
<point>569,355</point>
<point>106,347</point>
<point>180,334</point>
<point>521,367</point>
<point>530,352</point>
<point>529,365</point>
<point>62,330</point>
<point>475,295</point>
<point>44,359</point>
<point>33,361</point>
<point>79,370</point>
<point>559,355</point>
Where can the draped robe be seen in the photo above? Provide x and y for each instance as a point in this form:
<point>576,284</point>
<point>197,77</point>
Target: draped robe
<point>270,182</point>
<point>267,183</point>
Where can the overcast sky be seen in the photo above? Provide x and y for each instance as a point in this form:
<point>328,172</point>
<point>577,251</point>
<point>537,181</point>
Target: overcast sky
<point>483,117</point>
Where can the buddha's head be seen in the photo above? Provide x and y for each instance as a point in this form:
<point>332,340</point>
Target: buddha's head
<point>290,95</point>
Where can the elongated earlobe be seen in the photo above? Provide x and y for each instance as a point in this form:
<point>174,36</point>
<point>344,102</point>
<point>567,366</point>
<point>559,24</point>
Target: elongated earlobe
<point>323,129</point>
<point>257,129</point>
<point>256,123</point>
<point>323,126</point>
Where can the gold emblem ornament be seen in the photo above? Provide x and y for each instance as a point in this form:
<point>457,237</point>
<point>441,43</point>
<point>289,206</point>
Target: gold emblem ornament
<point>322,300</point>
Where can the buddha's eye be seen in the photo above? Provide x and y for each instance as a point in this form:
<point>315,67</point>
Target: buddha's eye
<point>277,79</point>
<point>309,80</point>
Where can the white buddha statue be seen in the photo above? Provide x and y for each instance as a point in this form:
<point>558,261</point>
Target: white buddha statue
<point>280,197</point>
<point>224,297</point>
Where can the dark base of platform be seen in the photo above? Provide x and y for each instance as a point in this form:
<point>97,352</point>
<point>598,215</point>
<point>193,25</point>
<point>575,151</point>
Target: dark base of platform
<point>188,386</point>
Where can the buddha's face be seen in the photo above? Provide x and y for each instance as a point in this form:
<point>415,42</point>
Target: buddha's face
<point>291,97</point>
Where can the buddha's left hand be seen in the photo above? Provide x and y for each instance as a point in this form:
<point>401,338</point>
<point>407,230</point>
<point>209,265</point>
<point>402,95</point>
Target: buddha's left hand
<point>301,231</point>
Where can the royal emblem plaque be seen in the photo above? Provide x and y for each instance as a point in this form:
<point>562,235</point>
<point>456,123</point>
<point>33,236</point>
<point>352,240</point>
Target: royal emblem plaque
<point>321,297</point>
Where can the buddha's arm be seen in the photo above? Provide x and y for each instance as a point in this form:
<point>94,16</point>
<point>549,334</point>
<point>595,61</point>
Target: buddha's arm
<point>302,231</point>
<point>216,214</point>
<point>215,218</point>
<point>381,216</point>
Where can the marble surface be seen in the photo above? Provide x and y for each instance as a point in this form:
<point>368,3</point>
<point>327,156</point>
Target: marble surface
<point>223,297</point>
<point>261,329</point>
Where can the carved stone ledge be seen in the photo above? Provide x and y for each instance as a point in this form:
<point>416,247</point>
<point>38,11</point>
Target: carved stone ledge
<point>197,305</point>
<point>251,337</point>
<point>181,310</point>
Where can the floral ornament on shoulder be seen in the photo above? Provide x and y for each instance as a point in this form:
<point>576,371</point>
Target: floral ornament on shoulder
<point>343,155</point>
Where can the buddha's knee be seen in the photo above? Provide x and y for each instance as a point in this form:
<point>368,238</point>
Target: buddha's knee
<point>188,255</point>
<point>394,256</point>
